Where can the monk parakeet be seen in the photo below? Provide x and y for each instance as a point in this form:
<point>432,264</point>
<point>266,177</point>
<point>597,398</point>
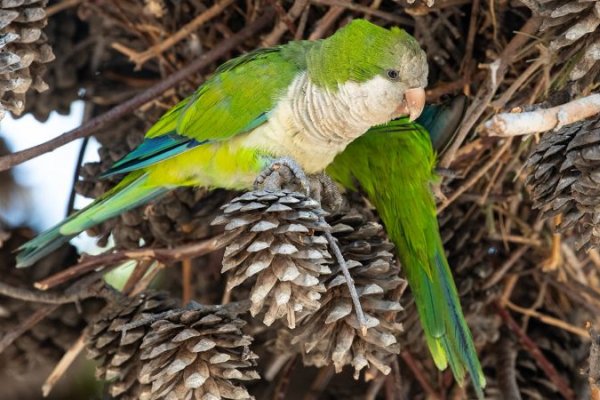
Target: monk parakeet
<point>305,100</point>
<point>393,164</point>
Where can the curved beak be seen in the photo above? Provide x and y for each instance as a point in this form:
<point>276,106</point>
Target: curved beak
<point>413,103</point>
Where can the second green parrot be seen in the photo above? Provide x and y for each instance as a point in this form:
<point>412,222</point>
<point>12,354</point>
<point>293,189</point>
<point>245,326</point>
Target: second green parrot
<point>394,165</point>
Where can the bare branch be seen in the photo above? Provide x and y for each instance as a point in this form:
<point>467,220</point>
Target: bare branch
<point>48,298</point>
<point>516,124</point>
<point>165,255</point>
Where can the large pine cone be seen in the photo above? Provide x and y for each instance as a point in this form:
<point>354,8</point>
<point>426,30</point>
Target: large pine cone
<point>118,351</point>
<point>279,246</point>
<point>564,179</point>
<point>332,334</point>
<point>572,26</point>
<point>24,51</point>
<point>197,354</point>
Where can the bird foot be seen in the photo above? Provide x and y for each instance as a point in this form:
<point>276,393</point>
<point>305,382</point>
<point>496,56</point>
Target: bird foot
<point>283,173</point>
<point>326,192</point>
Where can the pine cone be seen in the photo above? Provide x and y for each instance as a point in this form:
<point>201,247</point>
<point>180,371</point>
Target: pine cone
<point>277,243</point>
<point>332,334</point>
<point>70,72</point>
<point>563,171</point>
<point>572,27</point>
<point>118,352</point>
<point>197,354</point>
<point>24,51</point>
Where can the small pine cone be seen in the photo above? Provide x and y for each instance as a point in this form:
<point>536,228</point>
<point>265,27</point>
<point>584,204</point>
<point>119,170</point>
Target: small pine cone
<point>197,354</point>
<point>563,178</point>
<point>572,28</point>
<point>332,334</point>
<point>276,240</point>
<point>118,352</point>
<point>71,70</point>
<point>24,51</point>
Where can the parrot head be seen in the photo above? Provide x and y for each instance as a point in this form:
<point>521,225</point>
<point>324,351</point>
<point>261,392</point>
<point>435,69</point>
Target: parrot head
<point>383,71</point>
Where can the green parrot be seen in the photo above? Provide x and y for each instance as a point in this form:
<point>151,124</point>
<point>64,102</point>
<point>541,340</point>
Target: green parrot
<point>394,165</point>
<point>305,101</point>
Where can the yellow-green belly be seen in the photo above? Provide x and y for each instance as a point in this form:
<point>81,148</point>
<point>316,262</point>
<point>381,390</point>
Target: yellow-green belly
<point>225,165</point>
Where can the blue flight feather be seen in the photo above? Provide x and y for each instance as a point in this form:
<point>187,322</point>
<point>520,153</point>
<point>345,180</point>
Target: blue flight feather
<point>151,151</point>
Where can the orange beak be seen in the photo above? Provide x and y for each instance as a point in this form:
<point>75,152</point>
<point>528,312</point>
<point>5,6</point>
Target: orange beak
<point>413,103</point>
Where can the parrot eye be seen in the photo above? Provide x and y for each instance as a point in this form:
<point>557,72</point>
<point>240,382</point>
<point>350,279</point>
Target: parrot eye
<point>393,74</point>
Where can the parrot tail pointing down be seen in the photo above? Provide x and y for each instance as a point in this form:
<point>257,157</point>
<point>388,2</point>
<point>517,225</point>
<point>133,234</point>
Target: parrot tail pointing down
<point>129,193</point>
<point>393,165</point>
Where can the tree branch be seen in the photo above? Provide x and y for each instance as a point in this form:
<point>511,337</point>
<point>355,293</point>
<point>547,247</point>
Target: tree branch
<point>49,298</point>
<point>150,94</point>
<point>516,124</point>
<point>164,255</point>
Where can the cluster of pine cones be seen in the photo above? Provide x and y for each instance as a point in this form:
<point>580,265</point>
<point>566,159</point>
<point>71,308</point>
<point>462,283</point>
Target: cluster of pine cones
<point>279,256</point>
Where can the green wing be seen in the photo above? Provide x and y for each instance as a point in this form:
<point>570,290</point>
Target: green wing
<point>237,98</point>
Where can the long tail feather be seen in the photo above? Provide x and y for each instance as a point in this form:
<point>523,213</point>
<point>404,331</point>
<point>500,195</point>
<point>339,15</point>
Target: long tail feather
<point>459,346</point>
<point>131,192</point>
<point>397,181</point>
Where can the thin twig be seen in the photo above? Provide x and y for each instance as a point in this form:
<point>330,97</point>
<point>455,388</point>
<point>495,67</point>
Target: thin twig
<point>476,177</point>
<point>561,385</point>
<point>419,375</point>
<point>285,24</point>
<point>325,22</point>
<point>186,280</point>
<point>45,297</point>
<point>150,94</point>
<point>140,58</point>
<point>138,273</point>
<point>487,91</point>
<point>525,123</point>
<point>26,325</point>
<point>549,320</point>
<point>362,322</point>
<point>62,366</point>
<point>76,173</point>
<point>164,255</point>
